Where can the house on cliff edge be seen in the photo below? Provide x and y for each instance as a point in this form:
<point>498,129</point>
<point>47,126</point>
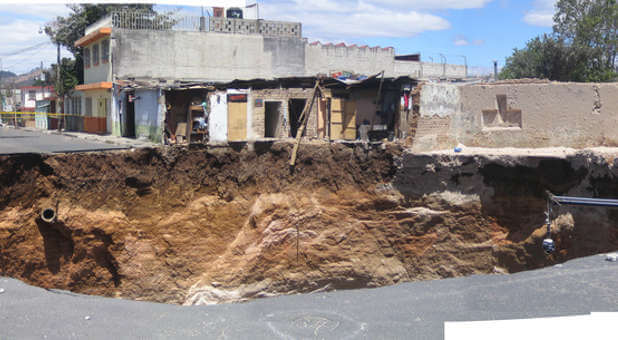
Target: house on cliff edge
<point>132,60</point>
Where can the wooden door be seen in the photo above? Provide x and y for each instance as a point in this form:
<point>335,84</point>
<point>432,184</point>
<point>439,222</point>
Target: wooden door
<point>343,119</point>
<point>237,121</point>
<point>349,120</point>
<point>336,118</point>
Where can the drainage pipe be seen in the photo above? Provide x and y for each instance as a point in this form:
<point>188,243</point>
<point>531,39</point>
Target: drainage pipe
<point>48,215</point>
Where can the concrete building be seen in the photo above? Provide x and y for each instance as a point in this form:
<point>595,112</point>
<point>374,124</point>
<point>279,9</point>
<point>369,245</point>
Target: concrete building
<point>95,95</point>
<point>11,99</point>
<point>131,48</point>
<point>31,94</point>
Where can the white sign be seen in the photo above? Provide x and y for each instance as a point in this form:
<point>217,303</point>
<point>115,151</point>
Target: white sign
<point>598,326</point>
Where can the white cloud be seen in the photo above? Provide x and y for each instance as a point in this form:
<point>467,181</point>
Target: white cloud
<point>336,20</point>
<point>432,4</point>
<point>19,29</point>
<point>542,13</point>
<point>461,40</point>
<point>42,12</point>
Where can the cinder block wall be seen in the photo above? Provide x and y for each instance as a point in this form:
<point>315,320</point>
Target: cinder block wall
<point>532,115</point>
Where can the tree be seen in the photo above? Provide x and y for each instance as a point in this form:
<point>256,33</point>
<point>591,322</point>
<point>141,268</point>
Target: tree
<point>591,25</point>
<point>68,79</point>
<point>65,31</point>
<point>582,46</point>
<point>548,58</point>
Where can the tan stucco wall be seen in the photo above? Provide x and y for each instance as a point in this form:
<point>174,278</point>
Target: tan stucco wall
<point>552,114</point>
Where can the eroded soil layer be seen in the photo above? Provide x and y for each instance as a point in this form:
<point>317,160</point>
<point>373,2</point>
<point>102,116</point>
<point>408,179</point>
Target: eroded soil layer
<point>204,226</point>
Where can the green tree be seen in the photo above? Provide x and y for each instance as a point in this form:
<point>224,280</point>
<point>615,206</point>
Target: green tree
<point>581,48</point>
<point>65,31</point>
<point>548,58</point>
<point>68,79</point>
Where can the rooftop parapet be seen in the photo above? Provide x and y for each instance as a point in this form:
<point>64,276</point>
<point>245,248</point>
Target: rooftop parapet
<point>146,20</point>
<point>262,27</point>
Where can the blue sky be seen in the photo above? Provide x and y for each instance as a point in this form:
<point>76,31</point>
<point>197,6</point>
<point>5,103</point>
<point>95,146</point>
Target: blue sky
<point>481,30</point>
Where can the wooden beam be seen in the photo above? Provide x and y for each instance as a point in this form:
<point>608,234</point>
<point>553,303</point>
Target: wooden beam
<point>305,118</point>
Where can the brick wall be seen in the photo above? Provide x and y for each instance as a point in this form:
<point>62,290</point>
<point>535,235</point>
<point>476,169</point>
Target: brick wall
<point>283,96</point>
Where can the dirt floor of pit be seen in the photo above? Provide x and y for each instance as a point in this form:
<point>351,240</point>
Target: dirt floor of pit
<point>203,226</point>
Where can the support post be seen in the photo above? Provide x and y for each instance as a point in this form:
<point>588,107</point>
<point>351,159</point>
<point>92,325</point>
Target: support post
<point>304,119</point>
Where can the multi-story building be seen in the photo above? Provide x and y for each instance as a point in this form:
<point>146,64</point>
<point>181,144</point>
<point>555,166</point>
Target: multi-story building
<point>134,62</point>
<point>31,94</point>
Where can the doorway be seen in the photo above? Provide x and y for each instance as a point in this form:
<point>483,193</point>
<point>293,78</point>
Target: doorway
<point>296,107</point>
<point>271,119</point>
<point>237,117</point>
<point>129,119</point>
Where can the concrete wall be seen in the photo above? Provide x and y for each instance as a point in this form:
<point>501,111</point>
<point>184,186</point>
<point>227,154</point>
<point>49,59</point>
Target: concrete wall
<point>100,72</point>
<point>190,55</point>
<point>224,57</point>
<point>521,115</point>
<point>217,127</point>
<point>439,99</point>
<point>329,58</point>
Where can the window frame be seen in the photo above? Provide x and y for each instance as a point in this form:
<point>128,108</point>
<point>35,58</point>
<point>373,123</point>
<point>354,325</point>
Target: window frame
<point>105,51</point>
<point>86,57</point>
<point>95,54</point>
<point>88,110</point>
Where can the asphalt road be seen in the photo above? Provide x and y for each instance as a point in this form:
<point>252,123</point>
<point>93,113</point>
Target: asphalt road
<point>406,311</point>
<point>18,141</point>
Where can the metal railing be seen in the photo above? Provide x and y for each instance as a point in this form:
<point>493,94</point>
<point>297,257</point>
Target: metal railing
<point>147,20</point>
<point>140,20</point>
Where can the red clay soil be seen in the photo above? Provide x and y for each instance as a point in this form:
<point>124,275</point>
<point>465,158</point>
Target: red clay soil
<point>198,226</point>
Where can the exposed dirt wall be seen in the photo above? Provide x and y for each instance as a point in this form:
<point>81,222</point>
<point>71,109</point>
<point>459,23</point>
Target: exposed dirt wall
<point>205,226</point>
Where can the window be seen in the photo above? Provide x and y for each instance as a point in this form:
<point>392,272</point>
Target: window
<point>88,107</point>
<point>77,106</point>
<point>105,51</point>
<point>95,55</point>
<point>31,95</point>
<point>86,57</point>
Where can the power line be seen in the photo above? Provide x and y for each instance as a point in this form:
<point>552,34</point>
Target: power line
<point>25,49</point>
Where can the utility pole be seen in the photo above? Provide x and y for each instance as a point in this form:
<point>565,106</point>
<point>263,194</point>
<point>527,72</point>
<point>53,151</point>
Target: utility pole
<point>1,93</point>
<point>465,65</point>
<point>58,85</point>
<point>443,60</point>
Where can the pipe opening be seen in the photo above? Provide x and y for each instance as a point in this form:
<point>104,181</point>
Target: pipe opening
<point>48,215</point>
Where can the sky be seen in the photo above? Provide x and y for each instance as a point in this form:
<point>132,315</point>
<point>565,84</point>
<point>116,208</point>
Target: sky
<point>472,31</point>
